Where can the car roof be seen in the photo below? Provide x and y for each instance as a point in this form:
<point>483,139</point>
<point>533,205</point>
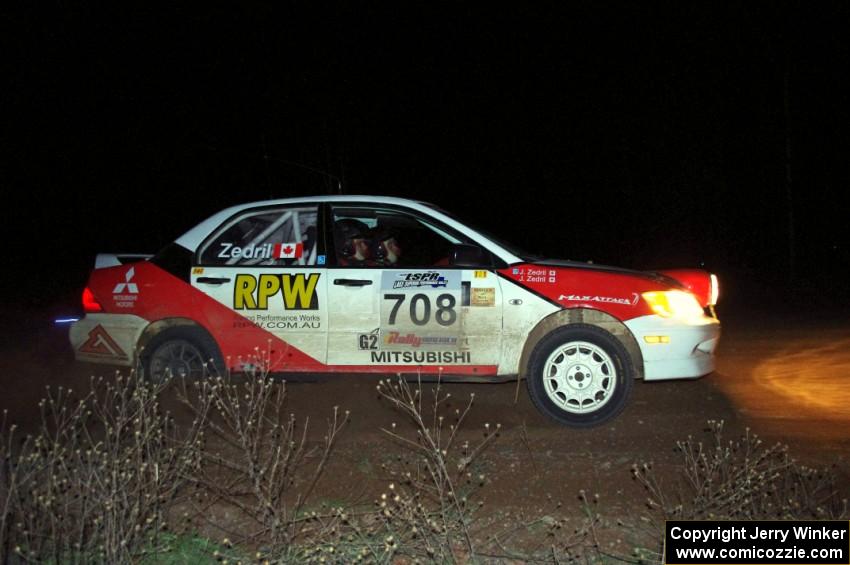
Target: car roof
<point>193,238</point>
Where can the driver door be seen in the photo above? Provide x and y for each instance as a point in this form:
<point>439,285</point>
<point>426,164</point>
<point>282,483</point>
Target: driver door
<point>409,310</point>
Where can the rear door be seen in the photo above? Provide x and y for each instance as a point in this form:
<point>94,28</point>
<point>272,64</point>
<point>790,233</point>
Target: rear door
<point>395,303</point>
<point>266,265</point>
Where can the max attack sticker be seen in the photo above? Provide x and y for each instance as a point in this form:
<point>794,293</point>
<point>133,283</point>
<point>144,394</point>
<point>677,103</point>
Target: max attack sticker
<point>101,344</point>
<point>604,299</point>
<point>297,292</point>
<point>483,297</point>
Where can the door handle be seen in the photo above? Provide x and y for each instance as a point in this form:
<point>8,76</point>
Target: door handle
<point>352,282</point>
<point>212,280</point>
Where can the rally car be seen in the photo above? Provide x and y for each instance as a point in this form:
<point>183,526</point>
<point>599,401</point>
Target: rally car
<point>347,284</point>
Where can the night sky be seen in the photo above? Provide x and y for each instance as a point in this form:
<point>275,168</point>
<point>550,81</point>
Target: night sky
<point>645,135</point>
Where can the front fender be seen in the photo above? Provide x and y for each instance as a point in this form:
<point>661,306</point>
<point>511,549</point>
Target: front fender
<point>588,316</point>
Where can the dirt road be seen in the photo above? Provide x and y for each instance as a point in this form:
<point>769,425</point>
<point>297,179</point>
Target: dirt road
<point>788,384</point>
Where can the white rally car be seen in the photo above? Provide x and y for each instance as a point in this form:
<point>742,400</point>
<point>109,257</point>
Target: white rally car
<point>350,284</point>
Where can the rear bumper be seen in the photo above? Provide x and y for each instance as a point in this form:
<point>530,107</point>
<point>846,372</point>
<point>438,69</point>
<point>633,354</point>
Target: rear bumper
<point>107,338</point>
<point>688,353</point>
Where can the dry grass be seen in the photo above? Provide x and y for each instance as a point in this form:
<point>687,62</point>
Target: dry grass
<point>732,479</point>
<point>97,480</point>
<point>255,460</point>
<point>108,473</point>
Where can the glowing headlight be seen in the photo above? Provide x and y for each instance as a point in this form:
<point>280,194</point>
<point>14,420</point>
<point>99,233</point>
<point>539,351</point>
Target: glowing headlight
<point>715,290</point>
<point>673,303</point>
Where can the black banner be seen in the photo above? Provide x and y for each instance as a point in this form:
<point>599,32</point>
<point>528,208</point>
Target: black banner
<point>801,542</point>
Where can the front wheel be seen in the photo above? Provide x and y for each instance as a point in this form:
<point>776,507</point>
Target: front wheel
<point>580,376</point>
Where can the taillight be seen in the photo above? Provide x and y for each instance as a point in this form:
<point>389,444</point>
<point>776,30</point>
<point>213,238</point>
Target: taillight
<point>90,303</point>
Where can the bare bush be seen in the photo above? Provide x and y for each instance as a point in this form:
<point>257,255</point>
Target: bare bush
<point>741,479</point>
<point>256,458</point>
<point>105,474</point>
<point>97,480</point>
<point>429,510</point>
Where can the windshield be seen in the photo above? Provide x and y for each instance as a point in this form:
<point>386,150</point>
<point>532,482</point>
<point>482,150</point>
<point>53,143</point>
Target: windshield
<point>510,247</point>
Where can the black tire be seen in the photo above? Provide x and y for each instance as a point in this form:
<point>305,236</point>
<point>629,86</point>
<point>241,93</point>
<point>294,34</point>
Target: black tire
<point>182,352</point>
<point>590,376</point>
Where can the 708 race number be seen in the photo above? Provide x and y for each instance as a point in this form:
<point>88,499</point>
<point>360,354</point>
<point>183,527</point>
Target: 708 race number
<point>445,314</point>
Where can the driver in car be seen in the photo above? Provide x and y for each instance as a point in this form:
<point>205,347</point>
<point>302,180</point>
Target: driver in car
<point>352,245</point>
<point>387,250</point>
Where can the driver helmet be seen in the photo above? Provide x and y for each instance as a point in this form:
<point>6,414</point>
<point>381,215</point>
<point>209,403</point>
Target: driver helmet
<point>386,246</point>
<point>347,232</point>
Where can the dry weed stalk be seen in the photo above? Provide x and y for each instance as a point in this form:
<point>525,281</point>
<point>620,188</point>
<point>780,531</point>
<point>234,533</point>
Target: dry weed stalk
<point>427,512</point>
<point>740,479</point>
<point>97,480</point>
<point>256,457</point>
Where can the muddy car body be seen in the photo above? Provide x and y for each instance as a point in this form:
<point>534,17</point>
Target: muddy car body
<point>350,285</point>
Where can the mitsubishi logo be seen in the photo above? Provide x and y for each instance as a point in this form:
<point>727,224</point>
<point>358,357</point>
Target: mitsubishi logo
<point>130,286</point>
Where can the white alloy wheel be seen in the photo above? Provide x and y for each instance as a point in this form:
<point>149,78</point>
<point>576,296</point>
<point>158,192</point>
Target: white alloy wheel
<point>579,377</point>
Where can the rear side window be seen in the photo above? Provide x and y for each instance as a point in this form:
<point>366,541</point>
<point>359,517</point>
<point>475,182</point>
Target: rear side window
<point>282,236</point>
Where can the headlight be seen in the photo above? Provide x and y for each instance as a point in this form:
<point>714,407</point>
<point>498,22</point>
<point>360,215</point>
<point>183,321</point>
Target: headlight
<point>673,303</point>
<point>715,290</point>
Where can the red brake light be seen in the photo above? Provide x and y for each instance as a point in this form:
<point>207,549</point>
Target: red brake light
<point>90,304</point>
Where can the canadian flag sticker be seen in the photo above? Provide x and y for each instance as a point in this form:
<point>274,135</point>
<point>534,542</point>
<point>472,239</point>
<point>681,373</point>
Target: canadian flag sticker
<point>288,250</point>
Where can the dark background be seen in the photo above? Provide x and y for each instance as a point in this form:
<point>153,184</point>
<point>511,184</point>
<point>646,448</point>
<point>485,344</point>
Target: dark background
<point>651,135</point>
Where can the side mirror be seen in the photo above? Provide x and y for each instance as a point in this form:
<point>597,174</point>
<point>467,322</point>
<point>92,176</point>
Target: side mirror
<point>465,255</point>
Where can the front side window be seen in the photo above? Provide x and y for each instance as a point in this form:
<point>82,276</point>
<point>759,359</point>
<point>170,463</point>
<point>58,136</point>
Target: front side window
<point>369,237</point>
<point>281,236</point>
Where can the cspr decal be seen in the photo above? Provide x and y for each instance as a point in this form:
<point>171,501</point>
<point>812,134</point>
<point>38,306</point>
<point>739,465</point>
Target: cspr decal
<point>430,279</point>
<point>289,291</point>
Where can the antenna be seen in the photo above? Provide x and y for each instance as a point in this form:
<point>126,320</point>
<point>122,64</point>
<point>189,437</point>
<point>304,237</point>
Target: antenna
<point>266,159</point>
<point>309,168</point>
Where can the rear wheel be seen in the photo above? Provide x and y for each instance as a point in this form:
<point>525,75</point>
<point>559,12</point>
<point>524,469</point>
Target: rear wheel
<point>181,352</point>
<point>580,376</point>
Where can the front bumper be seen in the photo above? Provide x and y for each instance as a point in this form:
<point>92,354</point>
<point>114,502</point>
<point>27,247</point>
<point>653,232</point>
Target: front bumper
<point>688,351</point>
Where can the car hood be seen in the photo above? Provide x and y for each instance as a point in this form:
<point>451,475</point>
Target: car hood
<point>653,276</point>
